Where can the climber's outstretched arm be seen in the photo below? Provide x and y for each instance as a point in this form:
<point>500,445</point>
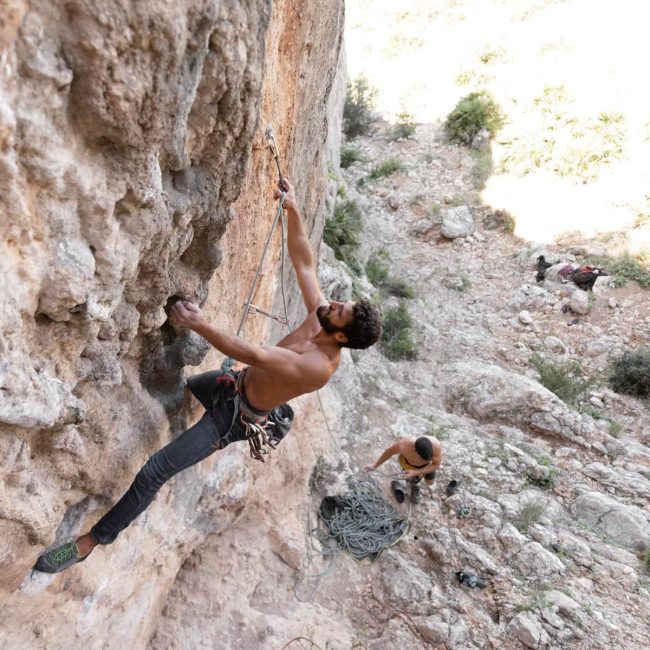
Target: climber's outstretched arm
<point>300,251</point>
<point>283,362</point>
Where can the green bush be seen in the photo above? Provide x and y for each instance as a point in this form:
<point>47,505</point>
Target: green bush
<point>645,558</point>
<point>357,110</point>
<point>458,282</point>
<point>622,269</point>
<point>386,168</point>
<point>566,380</point>
<point>404,127</point>
<point>399,288</point>
<point>378,272</point>
<point>630,373</point>
<point>441,433</point>
<point>482,168</point>
<point>545,482</point>
<point>530,514</point>
<point>349,156</point>
<point>614,427</point>
<point>377,267</point>
<point>473,113</point>
<point>500,220</point>
<point>396,335</point>
<point>628,268</point>
<point>342,232</point>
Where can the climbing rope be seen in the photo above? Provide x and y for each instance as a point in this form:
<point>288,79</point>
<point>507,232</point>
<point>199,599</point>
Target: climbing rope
<point>258,272</point>
<point>366,523</point>
<point>270,139</point>
<point>229,362</point>
<point>363,523</point>
<point>300,640</point>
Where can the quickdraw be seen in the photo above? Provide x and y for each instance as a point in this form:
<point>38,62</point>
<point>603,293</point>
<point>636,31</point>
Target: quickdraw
<point>254,309</point>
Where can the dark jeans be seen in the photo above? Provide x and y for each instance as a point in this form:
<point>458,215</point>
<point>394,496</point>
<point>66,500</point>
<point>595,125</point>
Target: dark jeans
<point>192,446</point>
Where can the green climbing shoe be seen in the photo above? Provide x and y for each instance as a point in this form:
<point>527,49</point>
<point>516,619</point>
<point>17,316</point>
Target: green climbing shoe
<point>59,559</point>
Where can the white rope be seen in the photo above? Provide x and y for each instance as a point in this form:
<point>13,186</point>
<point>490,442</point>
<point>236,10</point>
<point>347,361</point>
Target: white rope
<point>367,523</point>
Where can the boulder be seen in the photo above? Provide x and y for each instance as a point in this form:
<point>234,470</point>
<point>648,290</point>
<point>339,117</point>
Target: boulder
<point>433,630</point>
<point>457,222</point>
<point>534,561</point>
<point>527,628</point>
<point>554,344</point>
<point>528,296</point>
<point>405,586</point>
<point>529,256</point>
<point>624,524</point>
<point>490,393</point>
<point>580,302</point>
<point>524,317</point>
<point>625,482</point>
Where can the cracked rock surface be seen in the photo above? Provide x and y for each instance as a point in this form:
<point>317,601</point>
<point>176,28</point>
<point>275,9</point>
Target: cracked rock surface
<point>134,172</point>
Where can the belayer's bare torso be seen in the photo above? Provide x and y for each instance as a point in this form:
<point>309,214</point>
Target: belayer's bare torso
<point>266,389</point>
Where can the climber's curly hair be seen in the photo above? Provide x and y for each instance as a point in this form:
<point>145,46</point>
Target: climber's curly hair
<point>365,328</point>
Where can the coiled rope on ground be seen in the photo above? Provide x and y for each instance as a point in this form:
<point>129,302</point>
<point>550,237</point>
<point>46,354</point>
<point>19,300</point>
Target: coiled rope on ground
<point>366,523</point>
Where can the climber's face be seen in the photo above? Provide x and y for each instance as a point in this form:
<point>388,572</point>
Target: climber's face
<point>335,316</point>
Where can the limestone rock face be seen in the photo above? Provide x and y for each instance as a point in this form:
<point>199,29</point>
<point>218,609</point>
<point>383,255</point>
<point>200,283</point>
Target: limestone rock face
<point>134,172</point>
<point>489,392</point>
<point>628,525</point>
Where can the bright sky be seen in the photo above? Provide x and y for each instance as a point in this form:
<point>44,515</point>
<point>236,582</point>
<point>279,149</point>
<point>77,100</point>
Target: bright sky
<point>424,55</point>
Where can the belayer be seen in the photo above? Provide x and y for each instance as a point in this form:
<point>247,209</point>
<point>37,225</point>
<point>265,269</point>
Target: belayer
<point>418,457</point>
<point>246,405</point>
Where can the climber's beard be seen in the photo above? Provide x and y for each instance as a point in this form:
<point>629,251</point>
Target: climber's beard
<point>322,313</point>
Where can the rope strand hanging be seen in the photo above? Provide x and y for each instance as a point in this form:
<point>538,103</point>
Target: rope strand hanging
<point>229,362</point>
<point>364,524</point>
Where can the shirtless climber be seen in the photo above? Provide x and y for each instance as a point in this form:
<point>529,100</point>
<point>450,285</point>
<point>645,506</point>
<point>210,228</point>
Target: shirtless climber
<point>418,457</point>
<point>242,405</point>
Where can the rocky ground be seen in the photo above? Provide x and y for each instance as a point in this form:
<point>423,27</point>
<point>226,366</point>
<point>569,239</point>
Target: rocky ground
<point>559,507</point>
<point>553,507</point>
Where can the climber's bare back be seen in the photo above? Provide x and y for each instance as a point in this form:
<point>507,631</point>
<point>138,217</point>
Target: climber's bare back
<point>266,389</point>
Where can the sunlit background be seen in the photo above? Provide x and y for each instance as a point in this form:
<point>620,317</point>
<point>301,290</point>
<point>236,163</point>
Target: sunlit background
<point>570,77</point>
